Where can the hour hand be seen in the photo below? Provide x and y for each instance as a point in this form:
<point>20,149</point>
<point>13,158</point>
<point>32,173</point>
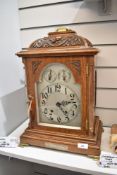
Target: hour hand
<point>58,104</point>
<point>65,103</point>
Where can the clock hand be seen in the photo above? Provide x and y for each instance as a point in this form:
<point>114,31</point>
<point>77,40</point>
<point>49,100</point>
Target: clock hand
<point>65,103</point>
<point>50,75</point>
<point>64,75</point>
<point>58,104</point>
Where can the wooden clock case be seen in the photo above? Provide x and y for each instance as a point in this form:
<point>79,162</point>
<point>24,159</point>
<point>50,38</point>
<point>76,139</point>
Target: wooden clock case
<point>77,53</point>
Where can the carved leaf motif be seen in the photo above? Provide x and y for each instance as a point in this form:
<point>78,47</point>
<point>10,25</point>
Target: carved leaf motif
<point>53,41</point>
<point>77,66</point>
<point>35,65</point>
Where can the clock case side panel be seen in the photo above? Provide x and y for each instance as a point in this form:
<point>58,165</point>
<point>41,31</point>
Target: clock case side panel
<point>31,101</point>
<point>90,95</point>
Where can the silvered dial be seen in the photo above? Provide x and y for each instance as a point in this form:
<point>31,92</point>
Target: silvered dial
<point>58,104</point>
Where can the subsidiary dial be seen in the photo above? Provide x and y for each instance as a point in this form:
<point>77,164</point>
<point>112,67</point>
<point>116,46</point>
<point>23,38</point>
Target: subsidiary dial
<point>50,75</point>
<point>64,75</point>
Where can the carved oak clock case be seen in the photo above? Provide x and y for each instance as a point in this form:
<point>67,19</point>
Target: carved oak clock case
<point>60,82</point>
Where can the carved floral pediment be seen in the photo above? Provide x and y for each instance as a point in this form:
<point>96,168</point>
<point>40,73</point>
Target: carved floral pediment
<point>61,39</point>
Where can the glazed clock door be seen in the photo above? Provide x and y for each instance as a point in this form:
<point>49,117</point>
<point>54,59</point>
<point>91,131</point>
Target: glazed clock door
<point>58,97</point>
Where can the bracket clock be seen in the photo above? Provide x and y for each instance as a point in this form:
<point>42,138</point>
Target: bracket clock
<point>60,83</point>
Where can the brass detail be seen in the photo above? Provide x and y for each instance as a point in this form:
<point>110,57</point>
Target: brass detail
<point>94,157</point>
<point>87,124</point>
<point>56,146</point>
<point>24,144</point>
<point>87,70</point>
<point>63,29</point>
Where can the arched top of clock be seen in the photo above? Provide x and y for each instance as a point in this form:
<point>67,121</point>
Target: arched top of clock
<point>62,42</point>
<point>62,37</point>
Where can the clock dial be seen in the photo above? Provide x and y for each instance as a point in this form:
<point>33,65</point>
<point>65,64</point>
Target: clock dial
<point>59,97</point>
<point>50,75</point>
<point>64,75</point>
<point>59,104</point>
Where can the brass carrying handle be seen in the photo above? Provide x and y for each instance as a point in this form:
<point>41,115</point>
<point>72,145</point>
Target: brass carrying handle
<point>63,29</point>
